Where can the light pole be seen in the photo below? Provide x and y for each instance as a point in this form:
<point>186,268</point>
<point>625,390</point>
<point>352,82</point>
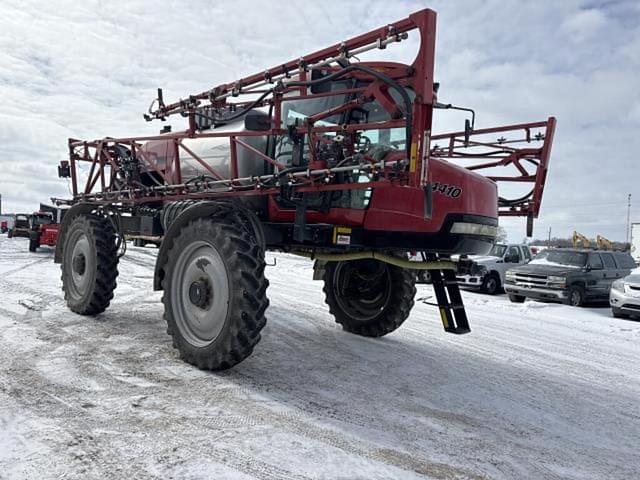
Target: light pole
<point>627,239</point>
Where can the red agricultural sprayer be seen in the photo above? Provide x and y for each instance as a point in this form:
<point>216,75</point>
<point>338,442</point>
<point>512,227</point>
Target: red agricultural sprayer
<point>326,157</point>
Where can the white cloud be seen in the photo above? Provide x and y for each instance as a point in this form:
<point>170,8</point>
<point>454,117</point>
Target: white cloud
<point>585,24</point>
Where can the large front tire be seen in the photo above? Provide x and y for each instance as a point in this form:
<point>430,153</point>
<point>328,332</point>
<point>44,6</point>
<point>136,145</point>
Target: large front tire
<point>369,297</point>
<point>89,264</point>
<point>215,293</point>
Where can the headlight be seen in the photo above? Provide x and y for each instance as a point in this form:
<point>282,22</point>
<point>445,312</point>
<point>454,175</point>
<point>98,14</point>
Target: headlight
<point>474,229</point>
<point>478,269</point>
<point>618,285</point>
<point>510,275</point>
<point>557,280</point>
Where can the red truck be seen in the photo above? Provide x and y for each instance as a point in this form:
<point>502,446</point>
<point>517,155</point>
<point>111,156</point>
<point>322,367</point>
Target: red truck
<point>4,227</point>
<point>42,231</point>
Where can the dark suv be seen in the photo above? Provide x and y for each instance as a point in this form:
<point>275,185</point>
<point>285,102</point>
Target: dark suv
<point>568,275</point>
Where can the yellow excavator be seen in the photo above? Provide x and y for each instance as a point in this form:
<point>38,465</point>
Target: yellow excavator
<point>580,240</point>
<point>604,243</point>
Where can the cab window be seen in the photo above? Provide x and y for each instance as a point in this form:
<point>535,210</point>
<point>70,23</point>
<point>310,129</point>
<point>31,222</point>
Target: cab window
<point>595,261</point>
<point>625,261</point>
<point>514,254</point>
<point>527,253</point>
<point>608,261</point>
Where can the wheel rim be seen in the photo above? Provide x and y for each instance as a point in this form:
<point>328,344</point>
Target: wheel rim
<point>81,263</point>
<point>362,288</point>
<point>491,285</point>
<point>200,293</point>
<point>575,298</point>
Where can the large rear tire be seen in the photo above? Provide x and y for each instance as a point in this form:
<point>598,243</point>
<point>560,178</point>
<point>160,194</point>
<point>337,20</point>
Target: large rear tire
<point>369,297</point>
<point>89,264</point>
<point>215,293</point>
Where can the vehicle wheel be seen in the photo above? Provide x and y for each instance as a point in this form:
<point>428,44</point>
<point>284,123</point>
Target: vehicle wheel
<point>89,264</point>
<point>618,313</point>
<point>33,245</point>
<point>424,276</point>
<point>10,234</point>
<point>369,297</point>
<point>516,298</point>
<point>490,284</point>
<point>575,296</point>
<point>215,293</point>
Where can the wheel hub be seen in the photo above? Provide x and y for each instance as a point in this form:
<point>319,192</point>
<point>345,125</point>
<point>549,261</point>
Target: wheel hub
<point>200,293</point>
<point>79,264</point>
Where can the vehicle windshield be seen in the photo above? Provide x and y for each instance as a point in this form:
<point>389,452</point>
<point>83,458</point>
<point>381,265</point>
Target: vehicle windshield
<point>41,219</point>
<point>497,251</point>
<point>295,111</point>
<point>567,258</point>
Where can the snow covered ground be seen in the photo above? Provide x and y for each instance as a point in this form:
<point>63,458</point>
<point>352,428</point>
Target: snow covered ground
<point>535,391</point>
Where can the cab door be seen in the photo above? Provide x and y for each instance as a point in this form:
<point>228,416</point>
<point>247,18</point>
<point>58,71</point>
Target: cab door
<point>597,283</point>
<point>611,269</point>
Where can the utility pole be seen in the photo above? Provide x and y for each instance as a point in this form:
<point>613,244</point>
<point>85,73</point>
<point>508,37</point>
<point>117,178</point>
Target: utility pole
<point>549,239</point>
<point>627,239</point>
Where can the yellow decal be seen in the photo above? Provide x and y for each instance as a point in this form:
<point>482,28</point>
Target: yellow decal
<point>443,315</point>
<point>413,157</point>
<point>338,231</point>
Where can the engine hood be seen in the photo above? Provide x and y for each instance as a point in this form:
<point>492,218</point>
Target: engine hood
<point>539,269</point>
<point>482,259</point>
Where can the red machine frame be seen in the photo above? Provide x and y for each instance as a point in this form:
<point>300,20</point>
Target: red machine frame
<point>282,83</point>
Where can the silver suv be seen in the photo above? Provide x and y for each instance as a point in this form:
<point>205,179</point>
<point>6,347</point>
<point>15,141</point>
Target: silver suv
<point>624,297</point>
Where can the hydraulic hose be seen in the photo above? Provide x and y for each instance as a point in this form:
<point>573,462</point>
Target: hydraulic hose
<point>408,112</point>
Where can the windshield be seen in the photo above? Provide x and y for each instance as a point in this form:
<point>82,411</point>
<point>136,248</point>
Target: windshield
<point>497,251</point>
<point>565,258</point>
<point>41,220</point>
<point>375,142</point>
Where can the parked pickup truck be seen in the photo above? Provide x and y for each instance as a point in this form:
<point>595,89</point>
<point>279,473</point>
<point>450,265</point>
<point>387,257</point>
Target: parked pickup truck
<point>571,276</point>
<point>487,272</point>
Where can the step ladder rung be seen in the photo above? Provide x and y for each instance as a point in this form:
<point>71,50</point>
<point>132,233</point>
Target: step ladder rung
<point>449,302</point>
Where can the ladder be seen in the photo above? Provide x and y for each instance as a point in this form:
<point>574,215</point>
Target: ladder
<point>452,312</point>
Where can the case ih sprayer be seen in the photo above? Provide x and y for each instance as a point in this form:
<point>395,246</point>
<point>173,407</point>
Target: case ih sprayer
<point>326,157</point>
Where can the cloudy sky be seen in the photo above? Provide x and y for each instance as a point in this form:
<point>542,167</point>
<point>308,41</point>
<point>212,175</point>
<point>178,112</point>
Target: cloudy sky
<point>89,69</point>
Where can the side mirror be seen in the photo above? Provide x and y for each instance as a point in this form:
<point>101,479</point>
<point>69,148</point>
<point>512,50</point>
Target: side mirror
<point>467,132</point>
<point>320,87</point>
<point>257,122</point>
<point>588,268</point>
<point>511,258</point>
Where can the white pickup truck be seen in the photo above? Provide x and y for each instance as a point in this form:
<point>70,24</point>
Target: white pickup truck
<point>486,272</point>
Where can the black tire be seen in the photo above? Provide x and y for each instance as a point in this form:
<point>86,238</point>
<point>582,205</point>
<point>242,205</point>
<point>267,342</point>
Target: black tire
<point>369,297</point>
<point>516,298</point>
<point>490,284</point>
<point>575,296</point>
<point>219,325</point>
<point>33,245</point>
<point>89,264</point>
<point>618,313</point>
<point>424,276</point>
<point>10,234</point>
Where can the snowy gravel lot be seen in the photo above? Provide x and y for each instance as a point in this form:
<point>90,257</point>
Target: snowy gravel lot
<point>535,391</point>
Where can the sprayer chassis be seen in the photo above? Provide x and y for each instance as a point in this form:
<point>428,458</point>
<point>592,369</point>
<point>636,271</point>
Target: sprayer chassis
<point>217,225</point>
